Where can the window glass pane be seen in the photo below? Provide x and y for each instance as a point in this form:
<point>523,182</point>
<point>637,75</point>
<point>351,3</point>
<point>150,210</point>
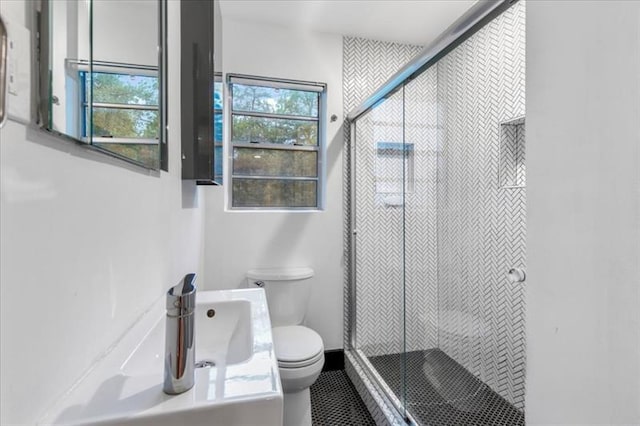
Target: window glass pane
<point>217,131</point>
<point>124,89</point>
<point>270,130</point>
<point>217,95</point>
<point>275,100</point>
<point>217,127</point>
<point>274,162</point>
<point>125,123</point>
<point>217,166</point>
<point>274,193</point>
<point>147,154</point>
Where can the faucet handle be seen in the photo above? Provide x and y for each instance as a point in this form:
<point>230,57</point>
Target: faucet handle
<point>181,299</point>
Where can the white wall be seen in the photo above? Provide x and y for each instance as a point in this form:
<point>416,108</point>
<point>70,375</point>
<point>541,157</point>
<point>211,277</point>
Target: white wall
<point>583,212</point>
<point>87,244</point>
<point>239,241</point>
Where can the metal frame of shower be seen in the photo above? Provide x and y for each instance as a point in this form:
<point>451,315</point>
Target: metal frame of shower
<point>481,13</point>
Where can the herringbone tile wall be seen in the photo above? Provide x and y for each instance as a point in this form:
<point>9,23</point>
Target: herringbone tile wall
<point>379,240</point>
<point>481,225</point>
<point>460,230</point>
<point>421,259</point>
<point>366,65</point>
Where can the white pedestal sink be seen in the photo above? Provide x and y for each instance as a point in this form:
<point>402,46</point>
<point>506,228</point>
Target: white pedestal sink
<point>242,388</point>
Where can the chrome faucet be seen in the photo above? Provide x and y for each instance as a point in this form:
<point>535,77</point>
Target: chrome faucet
<point>180,348</point>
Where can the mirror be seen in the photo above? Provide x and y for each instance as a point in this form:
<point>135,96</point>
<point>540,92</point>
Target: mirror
<point>101,76</point>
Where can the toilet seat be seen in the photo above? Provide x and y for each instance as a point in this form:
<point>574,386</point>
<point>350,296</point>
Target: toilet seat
<point>303,363</point>
<point>297,346</point>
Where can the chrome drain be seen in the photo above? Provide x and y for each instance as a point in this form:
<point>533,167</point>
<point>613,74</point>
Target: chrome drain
<point>205,363</point>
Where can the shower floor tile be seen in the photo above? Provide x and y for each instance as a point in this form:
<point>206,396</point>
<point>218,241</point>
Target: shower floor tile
<point>440,392</point>
<point>335,402</point>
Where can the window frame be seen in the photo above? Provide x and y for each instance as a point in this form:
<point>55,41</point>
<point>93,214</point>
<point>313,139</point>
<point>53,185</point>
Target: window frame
<point>87,104</point>
<point>320,148</point>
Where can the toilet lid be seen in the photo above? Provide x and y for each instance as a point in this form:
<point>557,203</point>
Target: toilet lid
<point>296,343</point>
<point>318,359</point>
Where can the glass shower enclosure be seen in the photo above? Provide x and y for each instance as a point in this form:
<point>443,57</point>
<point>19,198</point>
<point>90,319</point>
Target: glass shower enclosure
<point>437,219</point>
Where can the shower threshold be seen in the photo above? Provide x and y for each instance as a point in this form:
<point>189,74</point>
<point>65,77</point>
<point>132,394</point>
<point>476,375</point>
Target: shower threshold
<point>440,392</point>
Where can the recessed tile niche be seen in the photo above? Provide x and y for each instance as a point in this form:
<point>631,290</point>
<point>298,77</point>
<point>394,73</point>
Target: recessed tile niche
<point>512,153</point>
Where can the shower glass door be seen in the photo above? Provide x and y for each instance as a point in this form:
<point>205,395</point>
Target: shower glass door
<point>439,218</point>
<point>424,375</point>
<point>379,188</point>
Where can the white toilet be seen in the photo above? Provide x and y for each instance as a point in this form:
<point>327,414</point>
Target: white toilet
<point>299,350</point>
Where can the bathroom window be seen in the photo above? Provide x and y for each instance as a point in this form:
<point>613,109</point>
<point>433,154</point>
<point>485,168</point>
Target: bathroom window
<point>218,115</point>
<point>123,112</point>
<point>276,151</point>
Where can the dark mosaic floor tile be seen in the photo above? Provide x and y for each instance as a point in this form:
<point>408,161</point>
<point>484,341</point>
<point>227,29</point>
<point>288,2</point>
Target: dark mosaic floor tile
<point>335,402</point>
<point>440,392</point>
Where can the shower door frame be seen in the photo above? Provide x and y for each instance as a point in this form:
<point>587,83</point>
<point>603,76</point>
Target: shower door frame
<point>464,27</point>
<point>391,400</point>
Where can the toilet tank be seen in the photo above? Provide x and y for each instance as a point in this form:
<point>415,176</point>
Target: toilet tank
<point>287,290</point>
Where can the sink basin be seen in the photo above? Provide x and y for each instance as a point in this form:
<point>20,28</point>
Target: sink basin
<point>237,385</point>
<point>224,338</point>
<point>226,335</point>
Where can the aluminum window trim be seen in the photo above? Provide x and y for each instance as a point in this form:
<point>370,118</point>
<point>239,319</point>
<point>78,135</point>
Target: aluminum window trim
<point>109,105</point>
<point>132,141</point>
<point>320,147</point>
<point>106,67</point>
<point>230,115</point>
<point>274,116</point>
<point>310,209</point>
<point>277,83</point>
<point>316,207</point>
<point>276,177</point>
<point>88,106</point>
<point>266,145</point>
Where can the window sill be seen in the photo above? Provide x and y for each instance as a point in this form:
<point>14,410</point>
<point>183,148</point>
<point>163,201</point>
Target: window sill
<point>262,210</point>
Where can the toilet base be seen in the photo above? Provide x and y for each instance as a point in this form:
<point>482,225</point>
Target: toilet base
<point>297,408</point>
